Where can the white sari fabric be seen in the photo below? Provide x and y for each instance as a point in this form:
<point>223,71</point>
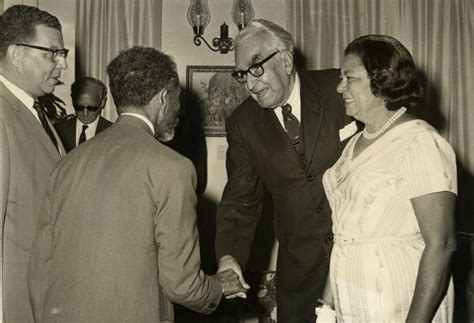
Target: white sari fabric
<point>378,244</point>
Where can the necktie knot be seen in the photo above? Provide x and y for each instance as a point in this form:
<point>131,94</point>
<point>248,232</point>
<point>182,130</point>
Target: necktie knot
<point>38,107</point>
<point>286,110</point>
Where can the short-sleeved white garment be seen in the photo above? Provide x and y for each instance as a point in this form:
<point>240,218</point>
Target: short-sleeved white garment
<point>378,244</point>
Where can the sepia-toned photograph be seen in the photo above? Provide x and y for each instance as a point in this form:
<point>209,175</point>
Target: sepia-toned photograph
<point>237,161</point>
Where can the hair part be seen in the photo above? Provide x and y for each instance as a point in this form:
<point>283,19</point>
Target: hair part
<point>274,35</point>
<point>391,70</point>
<point>17,25</point>
<point>137,74</point>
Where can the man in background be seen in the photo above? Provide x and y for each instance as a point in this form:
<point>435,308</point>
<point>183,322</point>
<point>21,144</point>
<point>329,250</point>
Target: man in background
<point>282,139</point>
<point>32,59</point>
<point>117,239</point>
<point>88,98</point>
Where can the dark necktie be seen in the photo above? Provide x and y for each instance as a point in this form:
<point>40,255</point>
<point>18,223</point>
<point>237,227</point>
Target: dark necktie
<point>82,137</point>
<point>39,109</point>
<point>292,126</point>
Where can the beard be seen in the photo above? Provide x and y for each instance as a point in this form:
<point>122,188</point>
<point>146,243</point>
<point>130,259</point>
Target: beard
<point>164,130</point>
<point>165,136</point>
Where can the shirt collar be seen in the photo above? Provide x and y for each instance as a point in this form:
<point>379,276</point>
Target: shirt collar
<point>92,125</point>
<point>21,95</point>
<point>139,116</point>
<point>294,99</point>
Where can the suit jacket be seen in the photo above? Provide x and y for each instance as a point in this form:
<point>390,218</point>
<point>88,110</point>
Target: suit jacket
<point>67,131</point>
<point>260,155</point>
<point>27,157</point>
<point>118,232</point>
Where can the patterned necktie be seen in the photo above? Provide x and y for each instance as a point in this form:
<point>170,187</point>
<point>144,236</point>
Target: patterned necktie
<point>39,109</point>
<point>292,126</point>
<point>82,137</point>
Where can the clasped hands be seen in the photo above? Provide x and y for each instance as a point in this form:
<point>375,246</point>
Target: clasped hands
<point>231,279</point>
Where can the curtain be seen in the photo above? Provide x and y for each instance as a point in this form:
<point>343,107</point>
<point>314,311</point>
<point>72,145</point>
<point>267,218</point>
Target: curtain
<point>438,33</point>
<point>106,27</point>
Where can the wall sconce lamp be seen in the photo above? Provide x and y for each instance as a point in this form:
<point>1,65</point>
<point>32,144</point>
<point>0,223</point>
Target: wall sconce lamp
<point>199,17</point>
<point>242,13</point>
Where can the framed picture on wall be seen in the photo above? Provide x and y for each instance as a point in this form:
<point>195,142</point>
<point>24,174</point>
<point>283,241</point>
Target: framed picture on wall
<point>215,93</point>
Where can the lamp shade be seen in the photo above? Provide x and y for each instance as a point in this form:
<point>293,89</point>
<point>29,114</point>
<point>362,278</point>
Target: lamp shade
<point>242,13</point>
<point>199,15</point>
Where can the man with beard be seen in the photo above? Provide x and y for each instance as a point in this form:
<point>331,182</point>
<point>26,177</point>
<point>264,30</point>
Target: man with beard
<point>117,238</point>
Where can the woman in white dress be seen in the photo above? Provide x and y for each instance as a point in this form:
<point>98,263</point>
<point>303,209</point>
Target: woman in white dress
<point>392,193</point>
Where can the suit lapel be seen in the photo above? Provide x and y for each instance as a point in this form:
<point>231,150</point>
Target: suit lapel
<point>71,135</point>
<point>33,124</point>
<point>62,150</point>
<point>38,131</point>
<point>73,132</point>
<point>312,113</point>
<point>100,126</point>
<point>276,136</point>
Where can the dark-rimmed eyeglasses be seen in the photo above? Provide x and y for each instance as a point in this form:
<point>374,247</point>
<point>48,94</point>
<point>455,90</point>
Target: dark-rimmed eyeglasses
<point>255,70</point>
<point>90,108</point>
<point>57,53</point>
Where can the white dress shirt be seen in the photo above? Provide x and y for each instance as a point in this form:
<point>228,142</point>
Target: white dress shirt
<point>294,100</point>
<point>90,131</point>
<point>139,116</point>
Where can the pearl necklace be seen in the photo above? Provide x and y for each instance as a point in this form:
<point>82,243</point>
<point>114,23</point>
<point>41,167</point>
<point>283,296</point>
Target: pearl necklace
<point>387,124</point>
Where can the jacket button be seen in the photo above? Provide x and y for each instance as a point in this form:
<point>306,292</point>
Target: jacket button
<point>310,178</point>
<point>319,210</point>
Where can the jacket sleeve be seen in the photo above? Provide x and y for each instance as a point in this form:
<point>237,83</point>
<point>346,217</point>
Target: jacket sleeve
<point>177,241</point>
<point>240,209</point>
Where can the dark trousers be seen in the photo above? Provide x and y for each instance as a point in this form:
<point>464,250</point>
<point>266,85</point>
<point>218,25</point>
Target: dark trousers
<point>299,284</point>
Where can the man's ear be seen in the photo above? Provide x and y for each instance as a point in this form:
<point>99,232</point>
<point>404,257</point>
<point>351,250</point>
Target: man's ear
<point>15,55</point>
<point>103,102</point>
<point>163,97</point>
<point>287,58</point>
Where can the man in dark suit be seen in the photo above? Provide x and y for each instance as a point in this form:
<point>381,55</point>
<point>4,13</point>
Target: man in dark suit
<point>32,59</point>
<point>285,150</point>
<point>117,238</point>
<point>88,98</point>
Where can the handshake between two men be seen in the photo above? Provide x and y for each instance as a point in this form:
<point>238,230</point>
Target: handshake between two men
<point>231,279</point>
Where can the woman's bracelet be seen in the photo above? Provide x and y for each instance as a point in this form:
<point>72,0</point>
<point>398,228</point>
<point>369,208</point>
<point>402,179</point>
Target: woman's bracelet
<point>323,302</point>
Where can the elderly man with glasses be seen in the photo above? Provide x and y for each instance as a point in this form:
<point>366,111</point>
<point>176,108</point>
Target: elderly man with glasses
<point>281,139</point>
<point>88,98</point>
<point>32,59</point>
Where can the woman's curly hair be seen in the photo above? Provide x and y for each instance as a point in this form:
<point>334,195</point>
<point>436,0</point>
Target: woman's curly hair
<point>391,70</point>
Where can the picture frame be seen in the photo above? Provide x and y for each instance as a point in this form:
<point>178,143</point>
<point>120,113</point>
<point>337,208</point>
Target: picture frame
<point>215,93</point>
